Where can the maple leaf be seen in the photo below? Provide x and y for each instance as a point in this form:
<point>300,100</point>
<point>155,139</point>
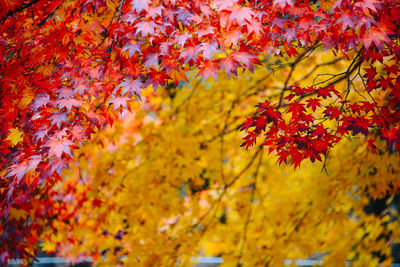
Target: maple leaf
<point>210,68</point>
<point>332,113</point>
<point>223,4</point>
<point>376,36</point>
<point>33,162</point>
<point>18,170</point>
<point>65,92</point>
<point>247,124</point>
<point>189,54</point>
<point>296,108</point>
<point>41,133</point>
<point>40,101</point>
<point>81,88</point>
<point>290,34</point>
<point>151,60</point>
<point>119,101</point>
<point>209,49</point>
<point>246,59</point>
<point>131,86</point>
<point>370,73</point>
<point>68,103</point>
<point>241,14</point>
<point>58,119</point>
<point>283,3</point>
<point>232,37</point>
<point>368,4</point>
<point>325,92</point>
<point>14,136</point>
<point>139,5</point>
<point>78,132</point>
<point>391,69</point>
<point>346,19</point>
<point>313,103</point>
<point>230,65</point>
<point>156,78</point>
<point>58,147</point>
<point>177,76</point>
<point>145,28</point>
<point>48,247</point>
<point>132,47</point>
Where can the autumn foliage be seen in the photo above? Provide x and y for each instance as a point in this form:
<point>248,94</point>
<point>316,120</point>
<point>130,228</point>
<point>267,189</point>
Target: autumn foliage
<point>69,68</point>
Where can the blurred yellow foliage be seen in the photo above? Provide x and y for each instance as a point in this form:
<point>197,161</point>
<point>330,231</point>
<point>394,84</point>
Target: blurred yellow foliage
<point>171,183</point>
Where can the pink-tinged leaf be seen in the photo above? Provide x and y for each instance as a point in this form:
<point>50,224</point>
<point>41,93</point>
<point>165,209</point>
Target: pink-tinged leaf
<point>58,119</point>
<point>290,34</point>
<point>65,92</point>
<point>151,60</point>
<point>209,50</point>
<point>18,171</point>
<point>210,30</point>
<point>81,88</point>
<point>139,5</point>
<point>278,22</point>
<point>78,132</point>
<point>60,134</point>
<point>130,18</point>
<point>347,21</point>
<point>206,10</point>
<point>119,101</point>
<point>366,21</point>
<point>40,101</point>
<point>41,133</point>
<point>223,4</point>
<point>164,48</point>
<point>247,59</point>
<point>57,147</point>
<point>255,27</point>
<point>131,87</point>
<point>182,38</point>
<point>241,14</point>
<point>232,38</point>
<point>283,3</point>
<point>154,11</point>
<point>209,69</point>
<point>145,28</point>
<point>58,165</point>
<point>183,15</point>
<point>230,65</point>
<point>368,4</point>
<point>33,162</point>
<point>132,47</point>
<point>337,4</point>
<point>189,54</point>
<point>376,36</point>
<point>68,103</point>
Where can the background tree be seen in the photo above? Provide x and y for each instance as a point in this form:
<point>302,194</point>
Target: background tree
<point>69,67</point>
<point>170,183</point>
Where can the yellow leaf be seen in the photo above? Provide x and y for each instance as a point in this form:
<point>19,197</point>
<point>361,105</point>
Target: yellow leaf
<point>15,136</point>
<point>48,247</point>
<point>17,214</point>
<point>27,96</point>
<point>327,4</point>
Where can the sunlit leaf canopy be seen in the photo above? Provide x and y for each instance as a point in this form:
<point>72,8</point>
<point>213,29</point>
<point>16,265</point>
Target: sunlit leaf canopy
<point>69,68</point>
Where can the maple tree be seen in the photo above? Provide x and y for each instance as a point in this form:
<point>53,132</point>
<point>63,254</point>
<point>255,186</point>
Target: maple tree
<point>170,183</point>
<point>70,67</point>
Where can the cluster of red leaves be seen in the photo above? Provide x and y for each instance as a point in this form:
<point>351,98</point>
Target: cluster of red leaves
<point>68,68</point>
<point>314,119</point>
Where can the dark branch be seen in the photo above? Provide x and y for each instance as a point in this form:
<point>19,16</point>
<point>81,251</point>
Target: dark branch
<point>11,13</point>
